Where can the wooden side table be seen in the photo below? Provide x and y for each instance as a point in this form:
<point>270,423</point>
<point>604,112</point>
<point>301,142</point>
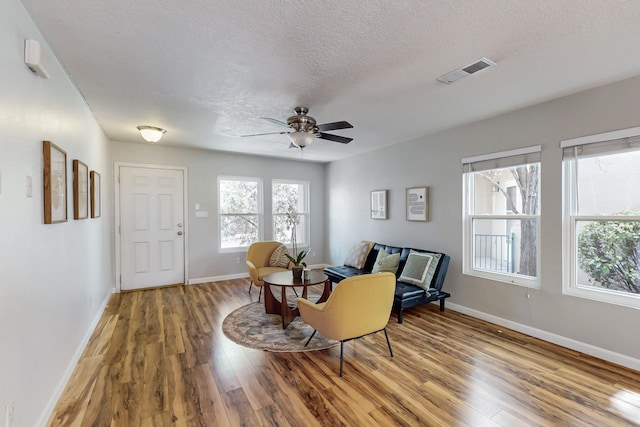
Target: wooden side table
<point>285,280</point>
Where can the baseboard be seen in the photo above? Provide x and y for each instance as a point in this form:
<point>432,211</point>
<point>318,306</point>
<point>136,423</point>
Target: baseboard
<point>235,276</point>
<point>601,353</point>
<point>217,278</point>
<point>48,410</point>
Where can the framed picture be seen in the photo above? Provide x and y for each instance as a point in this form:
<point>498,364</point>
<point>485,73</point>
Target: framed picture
<point>80,190</point>
<point>95,195</point>
<point>55,183</point>
<point>418,204</point>
<point>379,204</point>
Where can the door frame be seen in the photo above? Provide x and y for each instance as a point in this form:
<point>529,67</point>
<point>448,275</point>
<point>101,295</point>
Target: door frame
<point>116,222</point>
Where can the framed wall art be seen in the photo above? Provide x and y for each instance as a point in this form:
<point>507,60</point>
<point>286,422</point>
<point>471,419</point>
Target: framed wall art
<point>80,190</point>
<point>95,195</point>
<point>418,204</point>
<point>379,204</point>
<point>55,183</point>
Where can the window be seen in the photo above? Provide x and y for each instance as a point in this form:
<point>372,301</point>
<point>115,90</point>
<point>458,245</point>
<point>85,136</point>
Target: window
<point>285,194</point>
<point>602,217</point>
<point>240,211</point>
<point>502,216</point>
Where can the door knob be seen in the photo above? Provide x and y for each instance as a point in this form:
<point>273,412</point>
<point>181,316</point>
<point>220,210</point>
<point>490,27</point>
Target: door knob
<point>179,224</point>
<point>179,233</point>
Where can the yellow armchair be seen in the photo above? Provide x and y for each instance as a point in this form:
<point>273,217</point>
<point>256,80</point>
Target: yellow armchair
<point>358,306</point>
<point>258,256</point>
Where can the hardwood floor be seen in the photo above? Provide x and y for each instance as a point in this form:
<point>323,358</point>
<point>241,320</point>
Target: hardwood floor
<point>159,358</point>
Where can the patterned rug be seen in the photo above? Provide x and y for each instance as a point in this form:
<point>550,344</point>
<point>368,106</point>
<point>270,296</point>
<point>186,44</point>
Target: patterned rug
<point>251,327</point>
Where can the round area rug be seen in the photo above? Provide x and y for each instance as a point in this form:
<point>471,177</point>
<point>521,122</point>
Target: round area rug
<point>251,327</point>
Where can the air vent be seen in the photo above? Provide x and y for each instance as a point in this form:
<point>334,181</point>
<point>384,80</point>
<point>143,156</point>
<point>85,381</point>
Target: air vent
<point>465,71</point>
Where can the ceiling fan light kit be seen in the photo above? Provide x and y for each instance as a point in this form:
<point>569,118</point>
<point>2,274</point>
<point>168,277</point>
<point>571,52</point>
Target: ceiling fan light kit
<point>301,139</point>
<point>151,134</point>
<point>304,129</point>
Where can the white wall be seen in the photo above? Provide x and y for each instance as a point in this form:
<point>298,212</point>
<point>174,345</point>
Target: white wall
<point>54,279</point>
<point>205,261</point>
<point>606,330</point>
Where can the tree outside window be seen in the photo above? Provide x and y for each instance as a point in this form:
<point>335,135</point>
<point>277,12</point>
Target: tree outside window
<point>502,209</point>
<point>603,223</point>
<point>240,211</point>
<point>286,193</point>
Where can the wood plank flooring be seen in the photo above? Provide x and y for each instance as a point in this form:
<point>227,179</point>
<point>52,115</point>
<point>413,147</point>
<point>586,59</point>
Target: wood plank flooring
<point>159,358</point>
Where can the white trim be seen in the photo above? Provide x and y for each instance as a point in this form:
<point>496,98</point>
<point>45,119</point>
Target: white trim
<point>600,137</point>
<point>599,352</point>
<point>235,276</point>
<point>116,210</point>
<point>71,366</point>
<point>501,154</point>
<point>201,280</point>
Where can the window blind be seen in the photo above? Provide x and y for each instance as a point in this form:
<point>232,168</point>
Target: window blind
<point>504,159</point>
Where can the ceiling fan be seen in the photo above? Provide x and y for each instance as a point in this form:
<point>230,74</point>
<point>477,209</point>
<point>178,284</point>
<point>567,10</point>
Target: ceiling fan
<point>303,129</point>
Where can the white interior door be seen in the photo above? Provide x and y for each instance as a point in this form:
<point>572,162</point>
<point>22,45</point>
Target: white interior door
<point>151,227</point>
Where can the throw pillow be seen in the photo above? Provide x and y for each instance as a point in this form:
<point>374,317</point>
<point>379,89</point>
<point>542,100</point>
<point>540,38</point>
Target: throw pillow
<point>386,262</point>
<point>358,254</point>
<point>415,269</point>
<point>278,258</point>
<point>431,271</point>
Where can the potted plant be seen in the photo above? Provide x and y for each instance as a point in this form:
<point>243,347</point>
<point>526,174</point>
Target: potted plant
<point>293,219</point>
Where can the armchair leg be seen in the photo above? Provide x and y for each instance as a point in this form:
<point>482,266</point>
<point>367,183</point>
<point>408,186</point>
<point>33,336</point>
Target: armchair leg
<point>312,335</point>
<point>260,294</point>
<point>388,342</point>
<point>341,351</point>
<point>250,285</point>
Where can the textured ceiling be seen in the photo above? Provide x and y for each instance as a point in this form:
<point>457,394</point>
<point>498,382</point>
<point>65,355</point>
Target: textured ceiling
<point>208,70</point>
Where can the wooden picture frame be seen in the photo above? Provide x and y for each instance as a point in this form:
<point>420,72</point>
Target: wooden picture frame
<point>80,190</point>
<point>55,183</point>
<point>96,201</point>
<point>379,204</point>
<point>418,204</point>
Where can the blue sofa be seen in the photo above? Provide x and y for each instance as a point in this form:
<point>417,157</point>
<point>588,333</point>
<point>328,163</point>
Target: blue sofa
<point>406,295</point>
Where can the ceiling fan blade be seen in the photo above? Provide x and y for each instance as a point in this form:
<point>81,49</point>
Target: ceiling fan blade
<point>275,121</point>
<point>335,138</point>
<point>261,134</point>
<point>334,126</point>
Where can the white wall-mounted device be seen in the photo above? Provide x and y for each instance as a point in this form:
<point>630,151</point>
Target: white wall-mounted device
<point>35,59</point>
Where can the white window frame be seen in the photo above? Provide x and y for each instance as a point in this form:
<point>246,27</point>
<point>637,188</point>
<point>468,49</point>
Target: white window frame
<point>305,241</point>
<point>221,214</point>
<point>570,218</point>
<point>469,217</point>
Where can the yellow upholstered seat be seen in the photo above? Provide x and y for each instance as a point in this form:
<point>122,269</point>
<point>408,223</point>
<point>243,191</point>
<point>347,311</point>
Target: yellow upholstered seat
<point>258,256</point>
<point>358,306</point>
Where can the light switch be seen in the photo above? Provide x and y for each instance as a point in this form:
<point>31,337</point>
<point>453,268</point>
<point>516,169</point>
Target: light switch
<point>197,206</point>
<point>29,186</point>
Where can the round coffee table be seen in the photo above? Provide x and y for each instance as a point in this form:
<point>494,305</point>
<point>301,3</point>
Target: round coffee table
<point>285,280</point>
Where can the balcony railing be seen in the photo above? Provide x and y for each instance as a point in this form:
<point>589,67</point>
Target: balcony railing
<point>494,252</point>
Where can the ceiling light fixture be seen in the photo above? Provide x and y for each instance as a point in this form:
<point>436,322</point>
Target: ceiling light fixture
<point>301,139</point>
<point>151,133</point>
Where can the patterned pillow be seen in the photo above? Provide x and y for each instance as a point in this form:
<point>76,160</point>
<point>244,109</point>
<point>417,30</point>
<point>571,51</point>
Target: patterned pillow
<point>431,271</point>
<point>415,269</point>
<point>386,262</point>
<point>358,254</point>
<point>278,257</point>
